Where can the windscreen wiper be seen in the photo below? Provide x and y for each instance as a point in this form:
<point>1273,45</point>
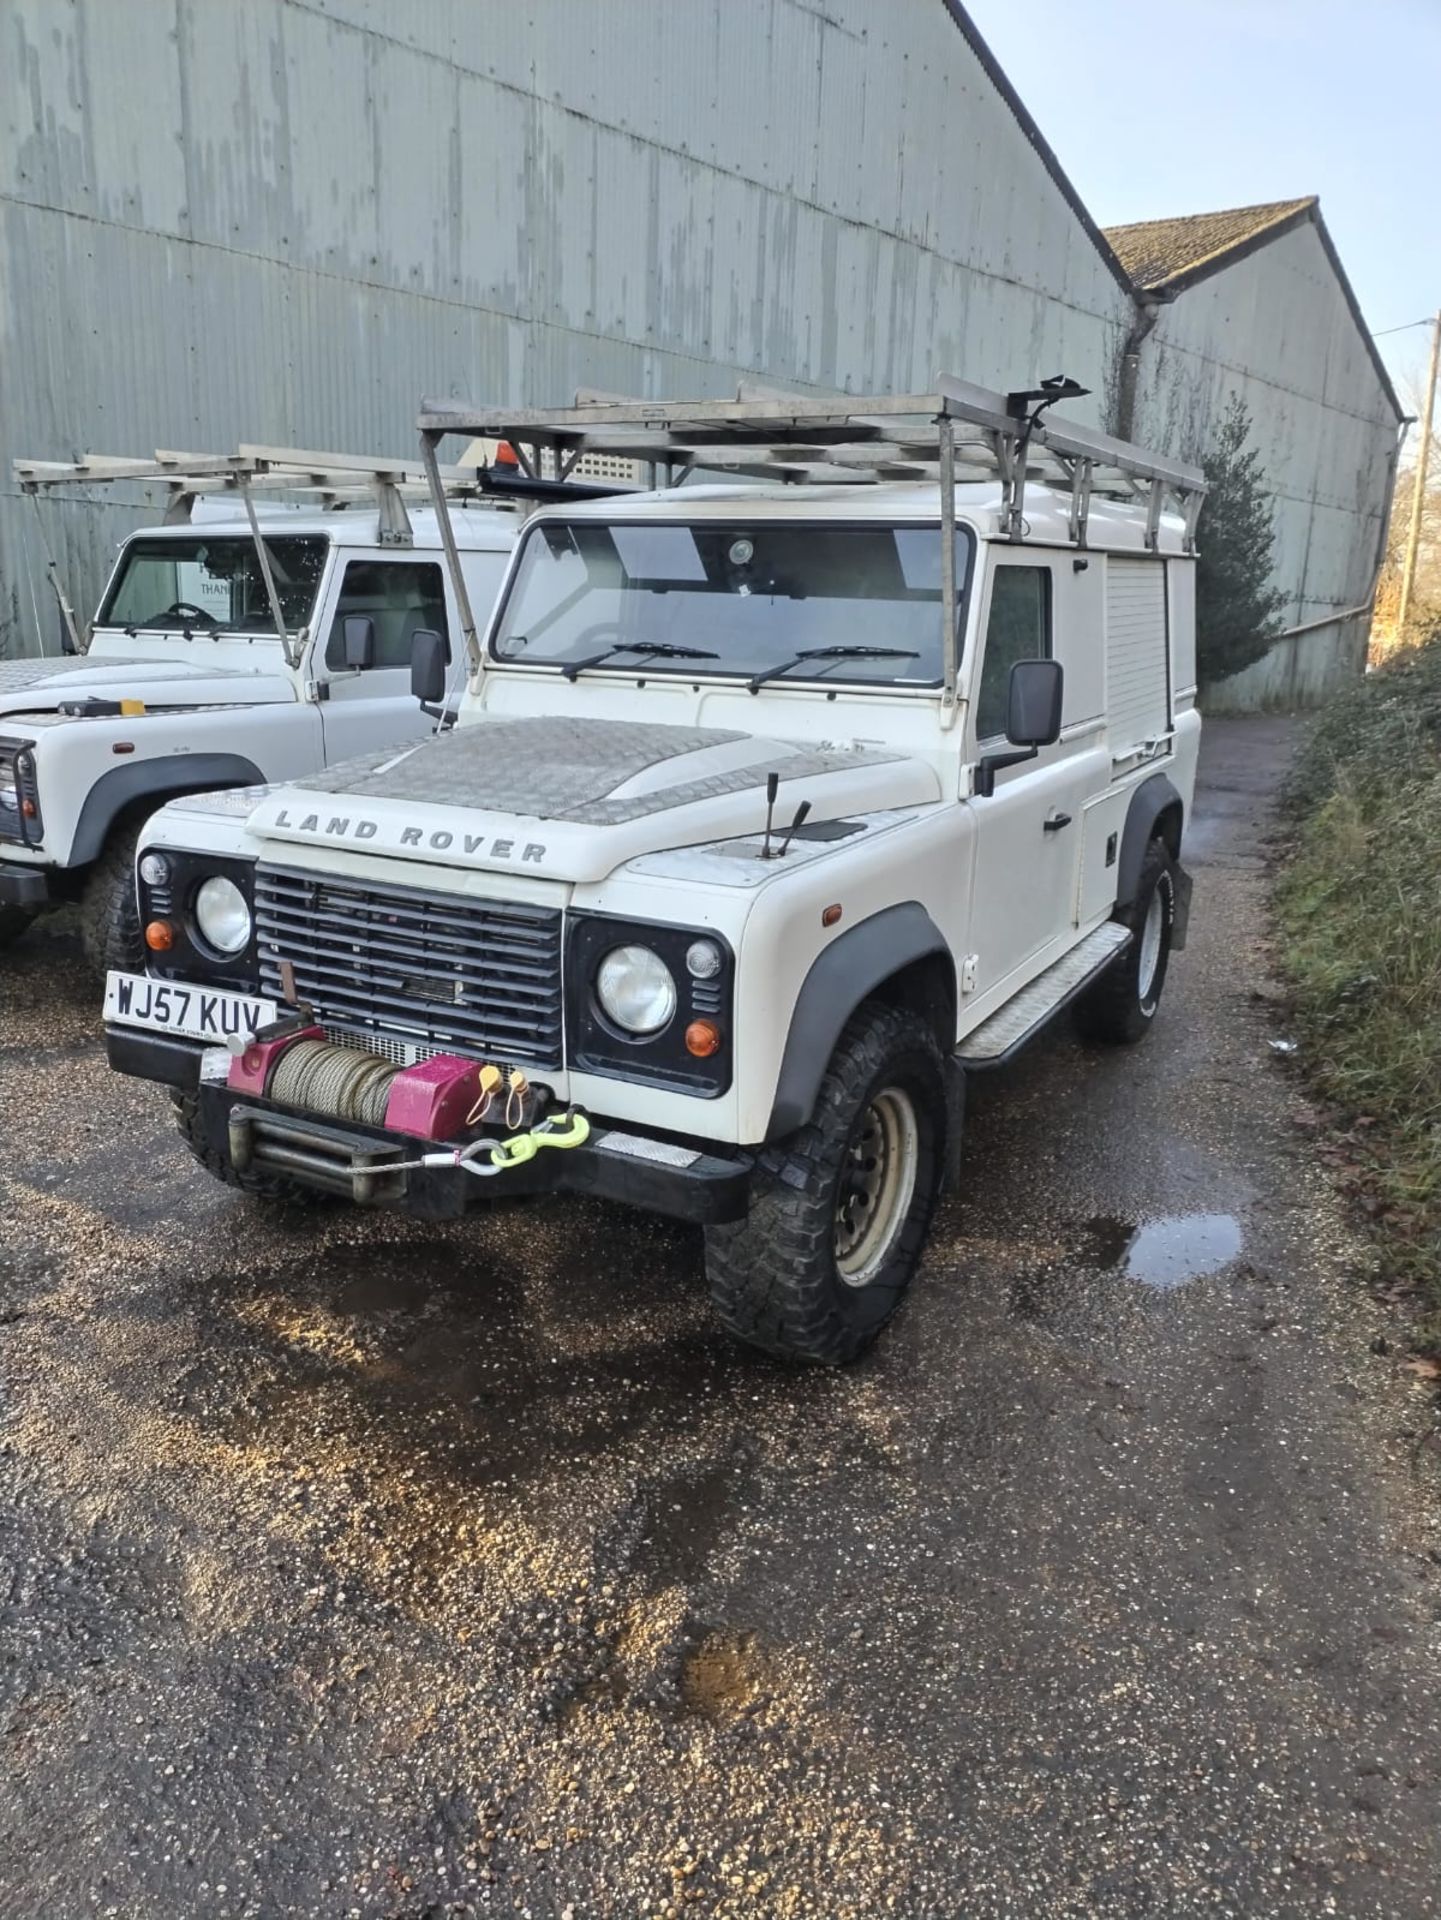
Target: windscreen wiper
<point>829,653</point>
<point>653,649</point>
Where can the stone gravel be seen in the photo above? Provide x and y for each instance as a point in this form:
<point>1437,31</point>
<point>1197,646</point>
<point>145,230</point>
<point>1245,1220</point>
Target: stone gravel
<point>351,1566</point>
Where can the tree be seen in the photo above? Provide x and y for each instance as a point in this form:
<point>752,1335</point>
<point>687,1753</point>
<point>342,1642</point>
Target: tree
<point>1425,616</point>
<point>1236,605</point>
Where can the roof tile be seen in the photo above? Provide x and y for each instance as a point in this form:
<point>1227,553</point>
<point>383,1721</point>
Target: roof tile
<point>1155,251</point>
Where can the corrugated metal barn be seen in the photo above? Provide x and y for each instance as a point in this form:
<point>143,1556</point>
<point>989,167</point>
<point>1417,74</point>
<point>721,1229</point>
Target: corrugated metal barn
<point>1253,301</point>
<point>285,221</point>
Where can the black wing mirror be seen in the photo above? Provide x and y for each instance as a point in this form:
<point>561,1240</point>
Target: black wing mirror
<point>429,666</point>
<point>1033,703</point>
<point>359,641</point>
<point>1034,698</point>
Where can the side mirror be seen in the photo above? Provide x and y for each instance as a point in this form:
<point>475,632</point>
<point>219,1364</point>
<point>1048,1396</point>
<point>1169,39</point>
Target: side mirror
<point>429,666</point>
<point>359,641</point>
<point>1033,703</point>
<point>1034,695</point>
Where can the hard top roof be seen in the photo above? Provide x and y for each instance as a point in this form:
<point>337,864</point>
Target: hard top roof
<point>1112,524</point>
<point>478,525</point>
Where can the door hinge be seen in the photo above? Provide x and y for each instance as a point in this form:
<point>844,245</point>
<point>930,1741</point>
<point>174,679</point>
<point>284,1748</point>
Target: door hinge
<point>968,972</point>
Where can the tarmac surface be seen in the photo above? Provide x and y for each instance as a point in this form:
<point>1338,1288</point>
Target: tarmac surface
<point>356,1567</point>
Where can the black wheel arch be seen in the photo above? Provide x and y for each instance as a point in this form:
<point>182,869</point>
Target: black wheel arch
<point>148,784</point>
<point>1156,808</point>
<point>898,956</point>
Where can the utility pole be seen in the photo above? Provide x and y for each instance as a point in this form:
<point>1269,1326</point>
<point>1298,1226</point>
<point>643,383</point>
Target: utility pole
<point>1418,498</point>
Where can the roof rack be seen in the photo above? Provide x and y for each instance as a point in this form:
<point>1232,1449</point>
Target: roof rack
<point>334,480</point>
<point>847,439</point>
<point>958,431</point>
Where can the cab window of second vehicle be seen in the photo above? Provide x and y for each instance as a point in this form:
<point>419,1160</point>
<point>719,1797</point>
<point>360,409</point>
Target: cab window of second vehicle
<point>1019,628</point>
<point>400,597</point>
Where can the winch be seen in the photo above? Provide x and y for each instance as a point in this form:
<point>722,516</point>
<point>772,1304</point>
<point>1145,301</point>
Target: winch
<point>444,1099</point>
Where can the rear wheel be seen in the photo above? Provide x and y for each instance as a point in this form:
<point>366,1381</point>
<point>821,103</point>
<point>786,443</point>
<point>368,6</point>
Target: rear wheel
<point>1122,1005</point>
<point>109,910</point>
<point>218,1164</point>
<point>840,1211</point>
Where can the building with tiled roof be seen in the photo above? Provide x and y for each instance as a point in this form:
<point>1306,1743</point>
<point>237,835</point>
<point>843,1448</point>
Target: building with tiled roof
<point>363,205</point>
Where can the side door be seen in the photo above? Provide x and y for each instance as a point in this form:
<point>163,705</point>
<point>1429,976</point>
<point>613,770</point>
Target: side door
<point>1028,832</point>
<point>372,707</point>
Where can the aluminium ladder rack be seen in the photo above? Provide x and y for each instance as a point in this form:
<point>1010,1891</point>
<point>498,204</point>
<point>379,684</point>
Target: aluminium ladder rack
<point>956,431</point>
<point>849,439</point>
<point>334,480</point>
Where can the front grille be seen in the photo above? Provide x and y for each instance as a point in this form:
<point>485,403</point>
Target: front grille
<point>473,976</point>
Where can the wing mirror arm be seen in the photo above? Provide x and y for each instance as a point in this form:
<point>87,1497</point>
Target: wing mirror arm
<point>993,763</point>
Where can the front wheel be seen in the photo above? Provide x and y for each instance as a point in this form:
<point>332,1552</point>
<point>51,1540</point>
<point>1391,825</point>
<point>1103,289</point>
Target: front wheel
<point>109,910</point>
<point>1121,1006</point>
<point>840,1211</point>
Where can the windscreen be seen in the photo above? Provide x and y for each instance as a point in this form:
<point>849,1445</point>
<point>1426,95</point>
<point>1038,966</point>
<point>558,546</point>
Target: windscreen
<point>200,584</point>
<point>736,597</point>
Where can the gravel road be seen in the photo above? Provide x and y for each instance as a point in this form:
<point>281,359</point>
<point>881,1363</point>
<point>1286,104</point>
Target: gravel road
<point>356,1567</point>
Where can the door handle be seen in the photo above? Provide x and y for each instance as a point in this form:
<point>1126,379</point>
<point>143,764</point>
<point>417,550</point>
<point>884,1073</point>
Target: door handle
<point>1055,820</point>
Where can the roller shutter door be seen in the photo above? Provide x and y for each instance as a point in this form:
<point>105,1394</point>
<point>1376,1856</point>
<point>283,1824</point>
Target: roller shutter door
<point>1138,694</point>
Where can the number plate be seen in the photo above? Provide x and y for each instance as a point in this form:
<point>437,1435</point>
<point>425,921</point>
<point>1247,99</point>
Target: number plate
<point>195,1013</point>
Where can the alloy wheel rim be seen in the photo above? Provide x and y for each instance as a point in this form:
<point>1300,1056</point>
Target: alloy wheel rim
<point>878,1180</point>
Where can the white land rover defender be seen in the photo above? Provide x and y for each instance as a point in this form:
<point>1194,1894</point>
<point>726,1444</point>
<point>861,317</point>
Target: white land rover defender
<point>241,641</point>
<point>769,814</point>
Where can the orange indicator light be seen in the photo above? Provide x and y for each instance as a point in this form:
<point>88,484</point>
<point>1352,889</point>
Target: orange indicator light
<point>160,936</point>
<point>702,1038</point>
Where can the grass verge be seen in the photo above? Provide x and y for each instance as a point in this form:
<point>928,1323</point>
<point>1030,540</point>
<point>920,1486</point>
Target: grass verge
<point>1359,913</point>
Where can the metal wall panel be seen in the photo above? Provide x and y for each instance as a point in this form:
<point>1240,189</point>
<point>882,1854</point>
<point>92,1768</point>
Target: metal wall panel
<point>1275,327</point>
<point>288,220</point>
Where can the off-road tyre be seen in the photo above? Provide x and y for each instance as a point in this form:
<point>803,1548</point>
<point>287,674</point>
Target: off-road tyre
<point>269,1187</point>
<point>1121,1008</point>
<point>776,1278</point>
<point>13,922</point>
<point>109,911</point>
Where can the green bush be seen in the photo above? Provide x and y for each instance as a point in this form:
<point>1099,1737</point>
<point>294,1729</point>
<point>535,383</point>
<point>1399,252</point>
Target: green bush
<point>1359,906</point>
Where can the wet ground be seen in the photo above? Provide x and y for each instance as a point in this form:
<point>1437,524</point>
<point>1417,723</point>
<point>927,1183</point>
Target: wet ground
<point>354,1567</point>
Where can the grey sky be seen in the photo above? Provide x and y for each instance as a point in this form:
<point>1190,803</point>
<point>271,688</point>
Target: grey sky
<point>1227,102</point>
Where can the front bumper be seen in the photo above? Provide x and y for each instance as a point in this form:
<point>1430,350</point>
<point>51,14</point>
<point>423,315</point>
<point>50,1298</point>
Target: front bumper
<point>23,886</point>
<point>359,1164</point>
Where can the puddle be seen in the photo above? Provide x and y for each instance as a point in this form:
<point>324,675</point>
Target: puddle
<point>1168,1252</point>
<point>1159,1254</point>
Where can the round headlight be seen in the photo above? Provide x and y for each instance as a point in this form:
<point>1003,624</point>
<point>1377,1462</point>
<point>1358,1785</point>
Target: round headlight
<point>702,959</point>
<point>154,869</point>
<point>222,915</point>
<point>635,989</point>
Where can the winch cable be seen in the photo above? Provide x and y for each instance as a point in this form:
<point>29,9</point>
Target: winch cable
<point>339,1082</point>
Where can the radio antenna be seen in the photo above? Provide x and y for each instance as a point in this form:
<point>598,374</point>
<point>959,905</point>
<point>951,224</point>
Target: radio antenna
<point>773,787</point>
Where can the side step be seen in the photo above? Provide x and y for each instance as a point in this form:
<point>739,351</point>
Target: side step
<point>1021,1019</point>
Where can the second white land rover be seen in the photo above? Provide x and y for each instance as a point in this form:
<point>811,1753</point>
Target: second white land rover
<point>772,812</point>
<point>228,647</point>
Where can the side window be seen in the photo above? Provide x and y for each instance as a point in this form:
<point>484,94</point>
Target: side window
<point>1019,628</point>
<point>401,596</point>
